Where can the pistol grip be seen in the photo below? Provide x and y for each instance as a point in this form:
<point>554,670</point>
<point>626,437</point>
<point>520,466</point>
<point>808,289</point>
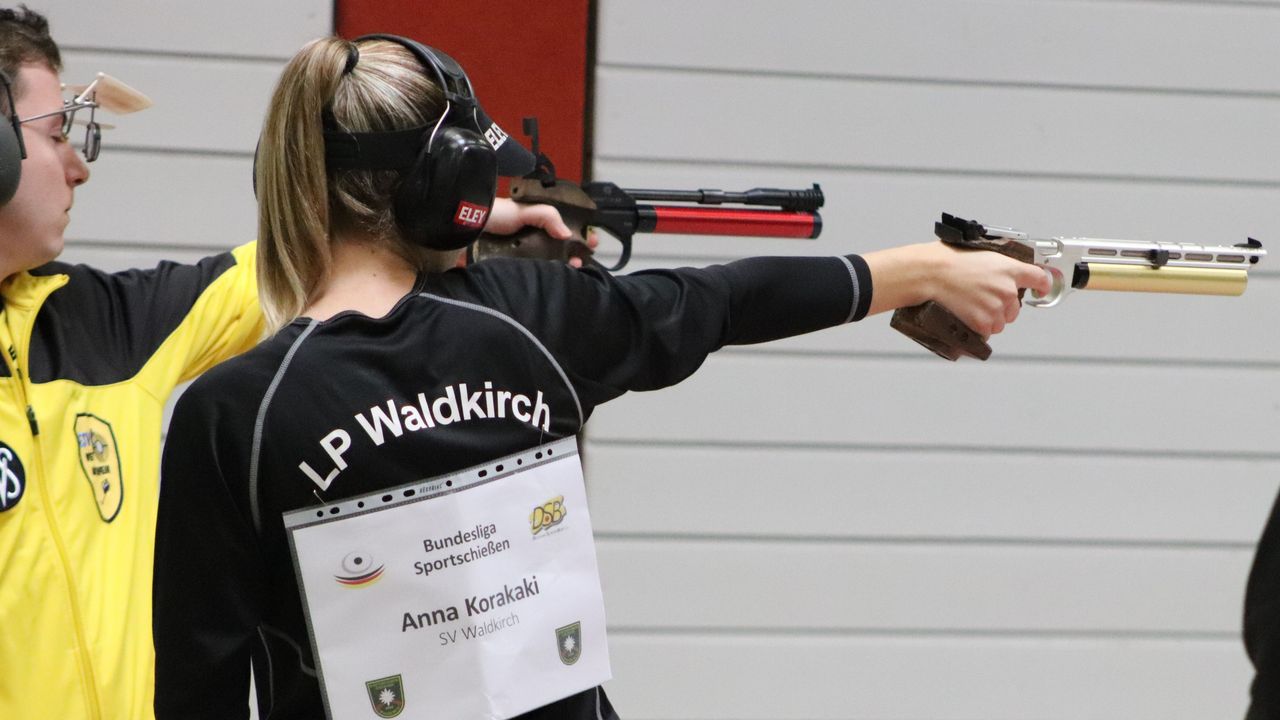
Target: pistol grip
<point>936,328</point>
<point>531,243</point>
<point>575,209</point>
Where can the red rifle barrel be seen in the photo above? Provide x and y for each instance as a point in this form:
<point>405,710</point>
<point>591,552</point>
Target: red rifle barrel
<point>742,222</point>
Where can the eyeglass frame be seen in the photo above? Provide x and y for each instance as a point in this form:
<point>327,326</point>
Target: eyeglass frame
<point>93,131</point>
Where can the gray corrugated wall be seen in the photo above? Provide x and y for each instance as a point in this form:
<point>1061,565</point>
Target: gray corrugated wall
<point>175,181</point>
<point>843,526</point>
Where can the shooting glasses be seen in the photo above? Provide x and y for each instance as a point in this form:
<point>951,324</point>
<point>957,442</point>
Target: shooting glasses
<point>106,92</point>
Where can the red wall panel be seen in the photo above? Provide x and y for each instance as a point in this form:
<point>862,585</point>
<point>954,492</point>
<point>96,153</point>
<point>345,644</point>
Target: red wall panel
<point>523,58</point>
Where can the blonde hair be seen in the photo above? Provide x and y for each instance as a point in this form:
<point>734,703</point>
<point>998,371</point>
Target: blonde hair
<point>300,203</point>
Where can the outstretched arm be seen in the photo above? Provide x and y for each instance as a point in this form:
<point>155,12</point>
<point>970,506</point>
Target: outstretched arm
<point>979,287</point>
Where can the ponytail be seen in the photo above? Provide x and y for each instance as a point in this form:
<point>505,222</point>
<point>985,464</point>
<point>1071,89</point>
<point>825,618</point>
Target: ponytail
<point>300,204</point>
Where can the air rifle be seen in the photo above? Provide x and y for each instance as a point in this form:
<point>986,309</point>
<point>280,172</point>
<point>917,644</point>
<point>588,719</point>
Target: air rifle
<point>1079,264</point>
<point>620,213</point>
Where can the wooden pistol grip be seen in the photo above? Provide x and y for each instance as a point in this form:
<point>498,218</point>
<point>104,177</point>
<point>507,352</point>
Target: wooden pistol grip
<point>532,244</point>
<point>575,208</point>
<point>936,327</point>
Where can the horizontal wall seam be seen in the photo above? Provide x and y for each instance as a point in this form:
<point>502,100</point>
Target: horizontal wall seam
<point>1012,359</point>
<point>845,633</point>
<point>871,78</point>
<point>933,448</point>
<point>938,541</point>
<point>123,149</point>
<point>275,61</point>
<point>165,245</point>
<point>1266,4</point>
<point>603,155</point>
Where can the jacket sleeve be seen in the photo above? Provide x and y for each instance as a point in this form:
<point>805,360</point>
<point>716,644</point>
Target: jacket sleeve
<point>652,329</point>
<point>224,321</point>
<point>208,589</point>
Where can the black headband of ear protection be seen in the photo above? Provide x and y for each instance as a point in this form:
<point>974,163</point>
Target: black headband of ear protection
<point>371,151</point>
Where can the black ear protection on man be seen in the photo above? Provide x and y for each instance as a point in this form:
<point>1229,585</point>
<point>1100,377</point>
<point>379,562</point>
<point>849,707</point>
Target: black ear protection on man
<point>449,168</point>
<point>12,149</point>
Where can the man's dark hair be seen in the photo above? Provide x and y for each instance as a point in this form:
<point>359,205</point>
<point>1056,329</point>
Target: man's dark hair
<point>24,38</point>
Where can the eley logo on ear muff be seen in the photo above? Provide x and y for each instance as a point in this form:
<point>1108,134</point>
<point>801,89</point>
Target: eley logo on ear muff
<point>469,215</point>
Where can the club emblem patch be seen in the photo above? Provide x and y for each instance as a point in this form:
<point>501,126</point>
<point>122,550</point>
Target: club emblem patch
<point>569,643</point>
<point>100,462</point>
<point>13,479</point>
<point>387,696</point>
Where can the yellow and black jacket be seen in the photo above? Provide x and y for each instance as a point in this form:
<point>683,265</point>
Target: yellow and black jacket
<point>90,359</point>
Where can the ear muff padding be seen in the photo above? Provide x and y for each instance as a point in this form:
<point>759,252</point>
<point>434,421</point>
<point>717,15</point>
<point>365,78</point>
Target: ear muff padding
<point>12,150</point>
<point>10,162</point>
<point>462,168</point>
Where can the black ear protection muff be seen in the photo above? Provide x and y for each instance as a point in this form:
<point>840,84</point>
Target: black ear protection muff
<point>449,168</point>
<point>12,150</point>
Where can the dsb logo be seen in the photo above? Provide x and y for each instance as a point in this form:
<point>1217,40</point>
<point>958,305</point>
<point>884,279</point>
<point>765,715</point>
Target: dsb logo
<point>470,215</point>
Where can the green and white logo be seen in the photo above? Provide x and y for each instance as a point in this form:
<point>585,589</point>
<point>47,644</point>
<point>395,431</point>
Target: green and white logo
<point>387,696</point>
<point>569,643</point>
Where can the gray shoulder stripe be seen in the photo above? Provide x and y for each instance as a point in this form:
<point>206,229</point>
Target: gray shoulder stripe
<point>271,673</point>
<point>260,422</point>
<point>857,292</point>
<point>307,669</point>
<point>538,343</point>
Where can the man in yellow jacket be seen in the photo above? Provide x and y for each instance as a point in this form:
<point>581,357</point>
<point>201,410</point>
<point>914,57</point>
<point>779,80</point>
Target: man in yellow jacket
<point>89,360</point>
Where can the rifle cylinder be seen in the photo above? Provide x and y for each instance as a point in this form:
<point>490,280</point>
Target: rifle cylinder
<point>728,221</point>
<point>1142,278</point>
